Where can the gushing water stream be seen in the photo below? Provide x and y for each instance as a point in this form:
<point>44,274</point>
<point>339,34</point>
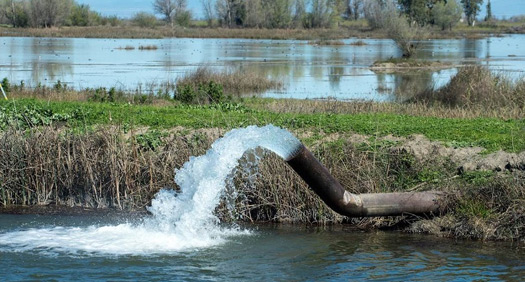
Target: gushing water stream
<point>180,221</point>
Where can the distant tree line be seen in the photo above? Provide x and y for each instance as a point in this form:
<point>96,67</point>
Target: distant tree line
<point>329,13</point>
<point>50,13</point>
<point>248,13</point>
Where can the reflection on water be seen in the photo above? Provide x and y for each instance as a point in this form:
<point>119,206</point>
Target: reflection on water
<point>308,71</point>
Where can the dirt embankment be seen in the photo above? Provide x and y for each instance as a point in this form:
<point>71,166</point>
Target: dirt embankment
<point>466,158</point>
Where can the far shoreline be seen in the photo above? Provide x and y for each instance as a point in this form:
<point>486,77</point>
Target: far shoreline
<point>133,32</point>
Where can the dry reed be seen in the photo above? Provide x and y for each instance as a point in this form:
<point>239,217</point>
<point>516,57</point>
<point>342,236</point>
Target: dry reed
<point>233,82</point>
<point>414,108</point>
<point>477,87</point>
<point>148,47</point>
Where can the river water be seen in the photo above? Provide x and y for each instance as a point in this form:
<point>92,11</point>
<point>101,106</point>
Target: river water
<point>264,253</point>
<point>307,71</point>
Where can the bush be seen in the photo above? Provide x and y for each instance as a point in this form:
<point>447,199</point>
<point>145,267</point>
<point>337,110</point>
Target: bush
<point>183,18</point>
<point>447,15</point>
<point>144,19</point>
<point>103,95</point>
<point>6,85</point>
<point>477,86</point>
<point>209,93</point>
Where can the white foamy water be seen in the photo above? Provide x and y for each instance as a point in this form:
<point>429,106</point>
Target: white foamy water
<point>180,221</point>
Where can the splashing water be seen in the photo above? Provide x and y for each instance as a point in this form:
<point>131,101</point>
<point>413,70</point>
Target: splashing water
<point>180,221</point>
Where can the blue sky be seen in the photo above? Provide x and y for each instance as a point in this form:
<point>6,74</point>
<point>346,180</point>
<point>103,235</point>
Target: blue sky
<point>126,8</point>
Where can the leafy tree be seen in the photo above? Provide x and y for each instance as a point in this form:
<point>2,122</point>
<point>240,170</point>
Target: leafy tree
<point>144,19</point>
<point>446,15</point>
<point>181,13</point>
<point>419,11</point>
<point>489,12</point>
<point>471,9</point>
<point>15,12</point>
<point>80,15</point>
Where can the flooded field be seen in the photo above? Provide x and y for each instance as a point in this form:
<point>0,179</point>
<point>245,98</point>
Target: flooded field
<point>308,71</point>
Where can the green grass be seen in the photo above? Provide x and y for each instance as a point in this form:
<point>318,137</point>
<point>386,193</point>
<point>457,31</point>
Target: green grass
<point>490,133</point>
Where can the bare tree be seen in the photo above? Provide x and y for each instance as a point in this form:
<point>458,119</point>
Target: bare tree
<point>299,12</point>
<point>385,15</point>
<point>182,15</point>
<point>320,13</point>
<point>231,12</point>
<point>356,8</point>
<point>255,13</point>
<point>166,8</point>
<point>278,13</point>
<point>207,8</point>
<point>48,13</point>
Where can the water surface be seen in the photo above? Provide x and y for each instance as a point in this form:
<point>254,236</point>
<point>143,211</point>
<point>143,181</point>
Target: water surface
<point>308,71</point>
<point>268,253</point>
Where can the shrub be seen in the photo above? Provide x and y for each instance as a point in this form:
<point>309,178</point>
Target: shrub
<point>144,19</point>
<point>206,92</point>
<point>477,86</point>
<point>6,85</point>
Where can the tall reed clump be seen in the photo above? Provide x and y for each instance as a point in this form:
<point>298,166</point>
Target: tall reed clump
<point>478,87</point>
<point>102,168</point>
<point>229,81</point>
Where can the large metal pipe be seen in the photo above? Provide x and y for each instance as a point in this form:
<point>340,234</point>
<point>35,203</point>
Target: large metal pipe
<point>352,205</point>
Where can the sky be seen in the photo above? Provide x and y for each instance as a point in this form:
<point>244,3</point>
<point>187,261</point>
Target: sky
<point>127,8</point>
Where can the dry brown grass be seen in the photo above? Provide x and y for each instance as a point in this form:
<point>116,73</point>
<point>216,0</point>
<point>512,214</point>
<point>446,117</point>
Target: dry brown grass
<point>233,82</point>
<point>413,108</point>
<point>148,47</point>
<point>195,32</point>
<point>479,89</point>
<point>98,169</point>
<point>358,43</point>
<point>127,48</point>
<point>327,42</point>
<point>494,210</point>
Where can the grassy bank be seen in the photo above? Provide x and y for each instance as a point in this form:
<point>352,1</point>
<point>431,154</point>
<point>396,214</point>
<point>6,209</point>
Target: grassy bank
<point>192,32</point>
<point>490,133</point>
